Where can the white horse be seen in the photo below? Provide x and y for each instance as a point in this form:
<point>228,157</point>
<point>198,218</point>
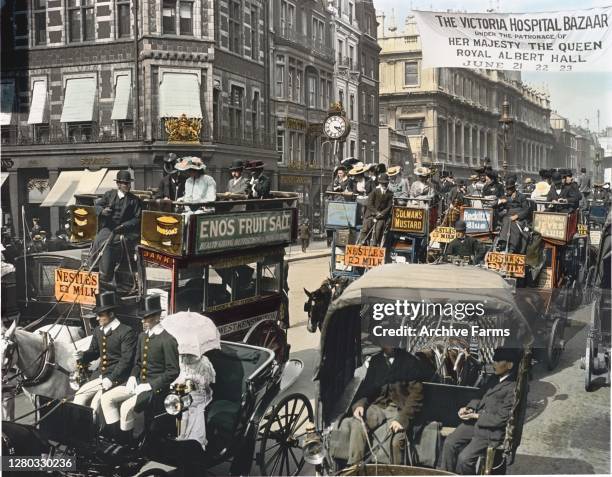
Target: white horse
<point>43,360</point>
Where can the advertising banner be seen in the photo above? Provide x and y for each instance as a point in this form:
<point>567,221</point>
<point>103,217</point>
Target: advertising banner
<point>162,231</point>
<point>76,287</point>
<point>443,235</point>
<point>550,225</point>
<point>243,230</point>
<point>578,40</point>
<point>477,220</point>
<point>408,220</point>
<point>510,264</point>
<point>364,256</point>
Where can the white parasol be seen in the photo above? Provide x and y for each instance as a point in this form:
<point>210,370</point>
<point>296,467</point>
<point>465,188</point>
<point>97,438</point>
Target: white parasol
<point>196,334</point>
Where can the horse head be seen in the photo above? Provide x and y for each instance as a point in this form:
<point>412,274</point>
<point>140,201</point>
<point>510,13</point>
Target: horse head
<point>8,347</point>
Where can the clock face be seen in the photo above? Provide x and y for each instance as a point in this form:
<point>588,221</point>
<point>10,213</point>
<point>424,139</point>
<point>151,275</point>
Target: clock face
<point>335,127</point>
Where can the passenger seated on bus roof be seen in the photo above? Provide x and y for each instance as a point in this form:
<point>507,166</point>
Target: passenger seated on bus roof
<point>485,419</point>
<point>391,394</point>
<point>199,186</point>
<point>563,193</point>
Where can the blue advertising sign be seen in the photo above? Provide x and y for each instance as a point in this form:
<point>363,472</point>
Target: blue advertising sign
<point>478,220</point>
<point>341,214</point>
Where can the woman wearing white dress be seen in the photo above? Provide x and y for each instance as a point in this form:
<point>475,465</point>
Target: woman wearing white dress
<point>201,372</point>
<point>199,186</point>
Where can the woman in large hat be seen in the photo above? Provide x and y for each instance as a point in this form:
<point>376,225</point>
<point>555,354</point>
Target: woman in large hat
<point>397,184</point>
<point>199,186</point>
<point>341,183</point>
<point>362,185</point>
<point>422,188</point>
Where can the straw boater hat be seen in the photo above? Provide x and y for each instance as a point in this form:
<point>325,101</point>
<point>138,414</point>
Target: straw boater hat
<point>474,177</point>
<point>190,163</point>
<point>357,170</point>
<point>528,180</point>
<point>421,171</point>
<point>393,171</point>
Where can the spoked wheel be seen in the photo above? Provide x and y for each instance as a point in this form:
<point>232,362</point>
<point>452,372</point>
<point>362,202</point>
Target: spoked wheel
<point>555,344</point>
<point>280,451</point>
<point>268,334</point>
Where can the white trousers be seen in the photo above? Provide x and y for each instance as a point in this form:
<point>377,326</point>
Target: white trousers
<point>118,405</point>
<point>89,395</point>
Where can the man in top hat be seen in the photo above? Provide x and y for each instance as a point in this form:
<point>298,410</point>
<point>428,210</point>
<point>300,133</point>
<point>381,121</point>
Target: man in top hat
<point>397,184</point>
<point>199,186</point>
<point>341,184</point>
<point>528,186</point>
<point>475,186</point>
<point>172,185</point>
<point>463,245</point>
<point>118,213</point>
<point>564,196</point>
<point>238,184</point>
<point>514,211</point>
<point>155,368</point>
<point>485,419</point>
<point>377,211</point>
<point>260,184</point>
<point>601,193</point>
<point>114,344</point>
<point>362,185</point>
<point>422,188</point>
<point>492,187</point>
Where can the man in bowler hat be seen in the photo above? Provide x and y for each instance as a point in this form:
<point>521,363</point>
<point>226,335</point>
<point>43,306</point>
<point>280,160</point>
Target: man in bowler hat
<point>118,212</point>
<point>485,419</point>
<point>155,368</point>
<point>114,344</point>
<point>238,184</point>
<point>259,184</point>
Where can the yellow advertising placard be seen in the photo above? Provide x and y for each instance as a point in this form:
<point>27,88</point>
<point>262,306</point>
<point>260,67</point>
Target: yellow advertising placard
<point>364,256</point>
<point>76,287</point>
<point>443,235</point>
<point>408,220</point>
<point>550,225</point>
<point>583,230</point>
<point>510,264</point>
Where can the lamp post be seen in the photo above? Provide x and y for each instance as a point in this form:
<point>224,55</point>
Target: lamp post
<point>505,123</point>
<point>597,161</point>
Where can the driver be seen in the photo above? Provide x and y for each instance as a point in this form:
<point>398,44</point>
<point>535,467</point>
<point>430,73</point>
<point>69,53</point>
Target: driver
<point>516,213</point>
<point>114,344</point>
<point>377,211</point>
<point>391,394</point>
<point>484,420</point>
<point>464,246</point>
<point>156,366</point>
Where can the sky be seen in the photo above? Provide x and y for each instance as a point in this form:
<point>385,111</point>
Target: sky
<point>595,89</point>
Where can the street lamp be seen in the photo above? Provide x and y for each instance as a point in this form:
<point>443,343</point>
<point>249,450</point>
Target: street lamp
<point>505,123</point>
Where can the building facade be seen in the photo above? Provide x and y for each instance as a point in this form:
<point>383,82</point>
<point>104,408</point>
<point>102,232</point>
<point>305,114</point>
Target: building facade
<point>565,149</point>
<point>394,148</point>
<point>97,85</point>
<point>451,116</point>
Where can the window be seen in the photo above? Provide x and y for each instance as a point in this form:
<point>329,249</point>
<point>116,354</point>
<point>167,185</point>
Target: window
<point>411,73</point>
<point>371,108</point>
<point>312,93</point>
<point>341,97</point>
<point>299,80</point>
<point>339,6</point>
<point>363,63</point>
<point>352,108</point>
<point>125,129</point>
<point>291,146</point>
<point>254,35</point>
<point>351,12</point>
<point>280,76</point>
<point>351,56</point>
<point>412,127</point>
<point>41,133</point>
<point>372,63</point>
<point>81,20</point>
<point>235,110</point>
<point>318,29</point>
<point>169,17</point>
<point>287,17</point>
<point>255,115</point>
<point>352,149</point>
<point>290,81</point>
<point>186,18</point>
<point>363,150</point>
<point>235,20</point>
<point>340,50</point>
<point>280,144</point>
<point>123,18</point>
<point>323,93</point>
<point>40,22</point>
<point>458,85</point>
<point>80,132</point>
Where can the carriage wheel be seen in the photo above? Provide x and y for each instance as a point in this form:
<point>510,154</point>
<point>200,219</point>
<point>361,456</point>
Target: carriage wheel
<point>555,344</point>
<point>588,364</point>
<point>280,450</point>
<point>268,334</point>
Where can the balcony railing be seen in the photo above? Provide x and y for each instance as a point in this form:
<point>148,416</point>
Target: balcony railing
<point>87,133</point>
<point>226,135</point>
<point>288,32</point>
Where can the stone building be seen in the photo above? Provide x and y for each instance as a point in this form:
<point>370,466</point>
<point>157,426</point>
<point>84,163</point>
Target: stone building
<point>394,148</point>
<point>565,149</point>
<point>92,84</point>
<point>451,116</point>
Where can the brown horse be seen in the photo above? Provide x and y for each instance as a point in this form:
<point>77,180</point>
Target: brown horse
<point>319,300</point>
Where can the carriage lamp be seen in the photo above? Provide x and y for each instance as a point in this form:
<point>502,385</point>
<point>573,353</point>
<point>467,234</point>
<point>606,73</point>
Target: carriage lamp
<point>313,446</point>
<point>180,398</point>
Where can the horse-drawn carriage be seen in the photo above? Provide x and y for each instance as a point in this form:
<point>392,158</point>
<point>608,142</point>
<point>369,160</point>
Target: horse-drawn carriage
<point>596,361</point>
<point>461,364</point>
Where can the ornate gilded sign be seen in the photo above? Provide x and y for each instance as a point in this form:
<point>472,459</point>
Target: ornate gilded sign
<point>183,129</point>
<point>162,231</point>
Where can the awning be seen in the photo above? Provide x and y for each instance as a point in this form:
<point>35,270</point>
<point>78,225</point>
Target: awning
<point>121,106</point>
<point>7,97</point>
<point>38,106</point>
<point>70,183</point>
<point>179,93</point>
<point>3,177</point>
<point>108,183</point>
<point>79,100</point>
